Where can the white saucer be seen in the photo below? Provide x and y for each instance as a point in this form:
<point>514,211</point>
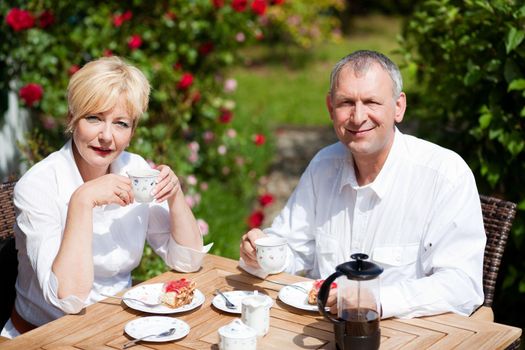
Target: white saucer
<point>144,326</point>
<point>235,296</point>
<point>297,298</point>
<point>151,293</point>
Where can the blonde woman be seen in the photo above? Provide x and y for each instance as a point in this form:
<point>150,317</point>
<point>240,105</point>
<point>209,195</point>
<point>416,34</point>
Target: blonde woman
<point>79,233</point>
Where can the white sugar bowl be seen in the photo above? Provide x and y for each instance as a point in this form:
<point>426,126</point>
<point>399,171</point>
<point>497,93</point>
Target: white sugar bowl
<point>237,336</point>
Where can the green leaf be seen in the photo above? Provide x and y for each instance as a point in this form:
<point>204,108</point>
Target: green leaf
<point>515,147</point>
<point>484,120</point>
<point>518,84</point>
<point>494,133</point>
<point>521,205</point>
<point>514,39</point>
<point>522,113</point>
<point>522,287</point>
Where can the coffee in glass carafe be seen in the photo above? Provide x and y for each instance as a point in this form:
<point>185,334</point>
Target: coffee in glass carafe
<point>358,304</point>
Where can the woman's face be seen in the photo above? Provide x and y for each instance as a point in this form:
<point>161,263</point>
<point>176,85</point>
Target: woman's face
<point>100,138</point>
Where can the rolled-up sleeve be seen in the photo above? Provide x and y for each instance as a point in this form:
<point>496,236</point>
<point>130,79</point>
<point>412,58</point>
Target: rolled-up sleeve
<point>176,256</point>
<point>294,223</point>
<point>39,225</point>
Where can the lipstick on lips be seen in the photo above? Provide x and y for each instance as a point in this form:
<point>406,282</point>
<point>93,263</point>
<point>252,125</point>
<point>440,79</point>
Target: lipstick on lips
<point>101,151</point>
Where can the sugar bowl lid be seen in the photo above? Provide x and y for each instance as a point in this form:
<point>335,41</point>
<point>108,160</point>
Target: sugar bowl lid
<point>237,330</point>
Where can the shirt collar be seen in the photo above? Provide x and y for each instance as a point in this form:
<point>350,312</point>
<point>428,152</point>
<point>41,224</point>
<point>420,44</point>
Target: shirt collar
<point>383,180</point>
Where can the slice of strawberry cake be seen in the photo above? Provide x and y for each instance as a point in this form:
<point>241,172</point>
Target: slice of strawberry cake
<point>177,293</point>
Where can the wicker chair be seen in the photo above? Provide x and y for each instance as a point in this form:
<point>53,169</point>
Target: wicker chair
<point>497,218</point>
<point>8,258</point>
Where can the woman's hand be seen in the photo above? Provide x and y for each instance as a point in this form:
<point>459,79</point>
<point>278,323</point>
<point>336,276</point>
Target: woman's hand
<point>167,184</point>
<point>107,189</point>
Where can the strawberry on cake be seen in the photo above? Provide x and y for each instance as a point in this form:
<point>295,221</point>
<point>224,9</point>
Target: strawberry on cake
<point>312,294</point>
<point>177,293</point>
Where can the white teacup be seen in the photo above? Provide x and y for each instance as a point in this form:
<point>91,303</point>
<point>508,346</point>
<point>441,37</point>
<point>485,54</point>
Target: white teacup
<point>143,182</point>
<point>271,253</point>
<point>237,336</point>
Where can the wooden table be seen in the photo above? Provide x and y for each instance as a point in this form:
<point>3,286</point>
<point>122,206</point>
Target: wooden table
<point>101,325</point>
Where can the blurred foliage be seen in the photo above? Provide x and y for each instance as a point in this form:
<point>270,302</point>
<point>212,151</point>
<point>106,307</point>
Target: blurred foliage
<point>304,23</point>
<point>469,61</point>
<point>184,48</point>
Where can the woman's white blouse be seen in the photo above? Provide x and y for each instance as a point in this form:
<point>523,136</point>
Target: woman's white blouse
<point>41,198</point>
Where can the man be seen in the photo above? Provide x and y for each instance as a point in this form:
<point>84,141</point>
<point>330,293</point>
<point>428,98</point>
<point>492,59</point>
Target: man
<point>410,205</point>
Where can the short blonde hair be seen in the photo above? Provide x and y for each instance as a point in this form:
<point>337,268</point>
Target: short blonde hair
<point>97,86</point>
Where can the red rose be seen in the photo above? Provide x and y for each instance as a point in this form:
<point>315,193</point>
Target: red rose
<point>127,16</point>
<point>171,15</point>
<point>107,53</point>
<point>259,7</point>
<point>31,93</point>
<point>226,116</point>
<point>217,3</point>
<point>134,42</point>
<point>239,5</point>
<point>19,19</point>
<point>259,139</point>
<point>255,219</point>
<point>118,20</point>
<point>177,66</point>
<point>73,69</point>
<point>266,199</point>
<point>186,81</point>
<point>206,48</point>
<point>46,19</point>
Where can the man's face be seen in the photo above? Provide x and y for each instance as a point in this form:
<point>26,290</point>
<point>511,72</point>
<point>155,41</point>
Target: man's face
<point>364,111</point>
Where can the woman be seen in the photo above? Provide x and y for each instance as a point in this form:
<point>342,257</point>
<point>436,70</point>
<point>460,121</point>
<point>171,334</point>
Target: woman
<point>79,233</point>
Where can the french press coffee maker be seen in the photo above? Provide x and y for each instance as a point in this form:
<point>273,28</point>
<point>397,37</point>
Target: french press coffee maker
<point>358,306</point>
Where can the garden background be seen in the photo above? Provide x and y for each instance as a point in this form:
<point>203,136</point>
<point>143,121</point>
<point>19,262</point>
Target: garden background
<point>226,74</point>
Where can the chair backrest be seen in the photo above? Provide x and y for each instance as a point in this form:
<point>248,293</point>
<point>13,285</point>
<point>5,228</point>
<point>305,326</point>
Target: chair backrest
<point>8,258</point>
<point>497,219</point>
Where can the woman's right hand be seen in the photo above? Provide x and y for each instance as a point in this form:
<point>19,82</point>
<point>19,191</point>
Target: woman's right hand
<point>247,249</point>
<point>106,189</point>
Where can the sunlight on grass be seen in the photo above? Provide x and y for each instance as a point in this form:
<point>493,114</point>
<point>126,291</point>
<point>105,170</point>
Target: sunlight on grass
<point>279,86</point>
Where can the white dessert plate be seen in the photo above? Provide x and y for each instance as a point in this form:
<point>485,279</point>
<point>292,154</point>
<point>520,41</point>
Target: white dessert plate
<point>144,326</point>
<point>151,293</point>
<point>235,296</point>
<point>297,298</point>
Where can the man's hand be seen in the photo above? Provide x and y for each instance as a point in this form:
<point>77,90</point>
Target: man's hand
<point>247,247</point>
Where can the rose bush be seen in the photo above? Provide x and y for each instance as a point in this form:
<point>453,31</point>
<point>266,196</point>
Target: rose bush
<point>183,47</point>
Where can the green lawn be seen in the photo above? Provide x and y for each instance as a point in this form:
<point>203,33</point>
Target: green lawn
<point>279,86</point>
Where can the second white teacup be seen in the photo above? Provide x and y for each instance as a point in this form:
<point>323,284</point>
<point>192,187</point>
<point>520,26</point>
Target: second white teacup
<point>143,182</point>
<point>271,253</point>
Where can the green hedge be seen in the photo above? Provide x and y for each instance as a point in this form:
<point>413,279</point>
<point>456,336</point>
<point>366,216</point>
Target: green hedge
<point>469,61</point>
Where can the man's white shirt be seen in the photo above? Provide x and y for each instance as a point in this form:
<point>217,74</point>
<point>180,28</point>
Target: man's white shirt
<point>420,219</point>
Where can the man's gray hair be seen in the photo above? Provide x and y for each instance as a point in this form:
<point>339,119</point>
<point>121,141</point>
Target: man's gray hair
<point>360,61</point>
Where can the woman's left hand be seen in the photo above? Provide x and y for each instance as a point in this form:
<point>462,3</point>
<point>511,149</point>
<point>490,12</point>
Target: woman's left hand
<point>167,184</point>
